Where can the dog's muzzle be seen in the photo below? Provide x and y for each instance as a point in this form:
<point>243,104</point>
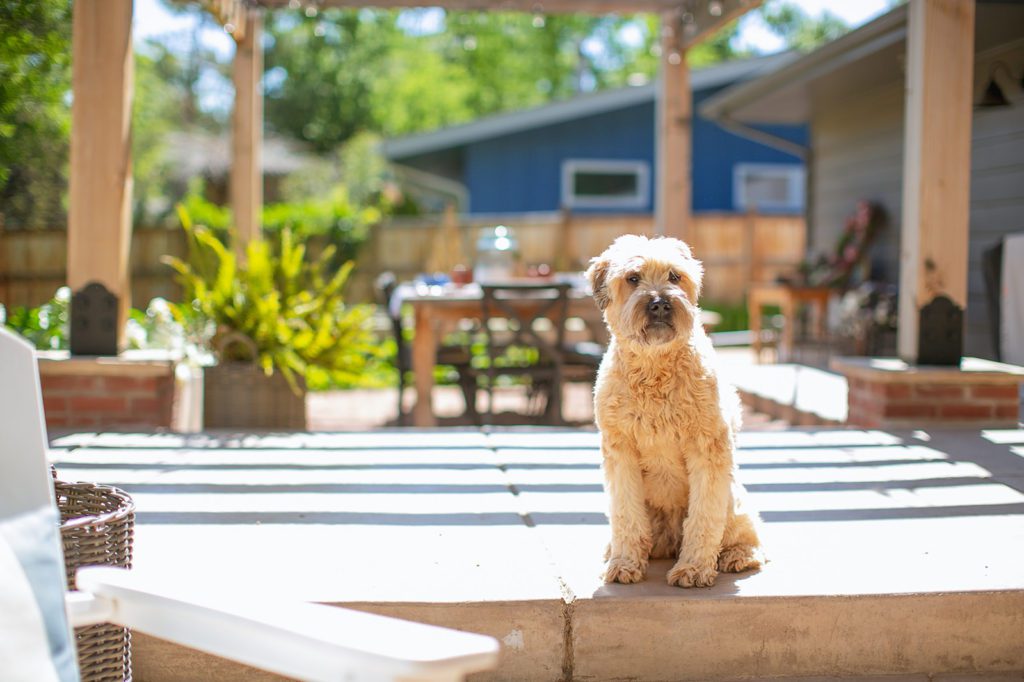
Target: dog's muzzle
<point>659,310</point>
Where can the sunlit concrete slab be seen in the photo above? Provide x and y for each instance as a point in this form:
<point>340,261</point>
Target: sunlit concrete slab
<point>890,553</point>
<point>421,525</point>
<point>884,549</point>
<point>328,525</point>
<point>394,438</point>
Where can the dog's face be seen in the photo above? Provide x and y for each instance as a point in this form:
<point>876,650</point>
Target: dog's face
<point>647,288</point>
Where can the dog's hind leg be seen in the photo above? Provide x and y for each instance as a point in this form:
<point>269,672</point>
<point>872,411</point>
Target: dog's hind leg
<point>741,546</point>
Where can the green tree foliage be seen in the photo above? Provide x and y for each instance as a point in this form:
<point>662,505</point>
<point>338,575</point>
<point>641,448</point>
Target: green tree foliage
<point>181,60</point>
<point>326,69</point>
<point>156,112</point>
<point>799,30</point>
<point>330,75</point>
<point>335,72</point>
<point>35,78</point>
<point>717,48</point>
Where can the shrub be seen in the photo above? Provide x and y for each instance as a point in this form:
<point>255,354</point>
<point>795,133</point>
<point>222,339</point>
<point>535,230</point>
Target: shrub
<point>45,327</point>
<point>344,224</point>
<point>290,308</point>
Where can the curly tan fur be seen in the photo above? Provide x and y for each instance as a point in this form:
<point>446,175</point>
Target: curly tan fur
<point>668,426</point>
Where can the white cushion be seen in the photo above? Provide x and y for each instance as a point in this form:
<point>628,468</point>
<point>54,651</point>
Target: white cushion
<point>35,639</point>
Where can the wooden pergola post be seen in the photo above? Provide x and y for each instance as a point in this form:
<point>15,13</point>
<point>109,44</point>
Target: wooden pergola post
<point>936,181</point>
<point>100,183</point>
<point>674,133</point>
<point>247,133</point>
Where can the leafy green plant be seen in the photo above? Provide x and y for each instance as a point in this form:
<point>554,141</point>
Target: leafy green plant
<point>290,308</point>
<point>45,327</point>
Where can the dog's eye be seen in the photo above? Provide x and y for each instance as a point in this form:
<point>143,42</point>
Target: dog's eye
<point>633,279</point>
<point>673,277</point>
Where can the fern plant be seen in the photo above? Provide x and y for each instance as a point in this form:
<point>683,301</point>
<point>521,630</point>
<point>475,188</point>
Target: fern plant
<point>290,312</point>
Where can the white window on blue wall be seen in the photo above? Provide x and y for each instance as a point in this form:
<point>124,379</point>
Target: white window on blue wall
<point>601,183</point>
<point>771,187</point>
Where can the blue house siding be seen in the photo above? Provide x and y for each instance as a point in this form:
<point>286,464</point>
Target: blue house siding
<point>716,151</point>
<point>522,171</point>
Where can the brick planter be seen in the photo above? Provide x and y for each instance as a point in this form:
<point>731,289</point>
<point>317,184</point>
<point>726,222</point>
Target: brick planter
<point>888,393</point>
<point>106,392</point>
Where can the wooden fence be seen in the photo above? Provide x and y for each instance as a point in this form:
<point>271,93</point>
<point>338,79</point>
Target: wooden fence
<point>736,250</point>
<point>33,265</point>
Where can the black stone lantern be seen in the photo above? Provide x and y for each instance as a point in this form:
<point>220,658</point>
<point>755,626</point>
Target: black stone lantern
<point>941,333</point>
<point>94,321</point>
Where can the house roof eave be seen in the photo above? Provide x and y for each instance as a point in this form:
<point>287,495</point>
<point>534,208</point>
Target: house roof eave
<point>782,96</point>
<point>578,107</point>
<point>503,124</point>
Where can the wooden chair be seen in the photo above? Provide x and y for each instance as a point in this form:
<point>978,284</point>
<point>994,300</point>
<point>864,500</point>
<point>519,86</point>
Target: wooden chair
<point>510,316</point>
<point>305,641</point>
<point>457,356</point>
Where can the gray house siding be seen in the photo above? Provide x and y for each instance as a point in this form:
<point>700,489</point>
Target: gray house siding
<point>858,154</point>
<point>997,188</point>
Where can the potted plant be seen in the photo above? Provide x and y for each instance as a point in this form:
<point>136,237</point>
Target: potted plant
<point>267,320</point>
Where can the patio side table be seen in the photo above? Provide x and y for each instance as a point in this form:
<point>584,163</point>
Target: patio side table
<point>789,299</point>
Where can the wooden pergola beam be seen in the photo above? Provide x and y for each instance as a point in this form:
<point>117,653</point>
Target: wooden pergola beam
<point>936,181</point>
<point>543,6</point>
<point>708,17</point>
<point>247,134</point>
<point>681,28</point>
<point>231,14</point>
<point>674,126</point>
<point>100,182</point>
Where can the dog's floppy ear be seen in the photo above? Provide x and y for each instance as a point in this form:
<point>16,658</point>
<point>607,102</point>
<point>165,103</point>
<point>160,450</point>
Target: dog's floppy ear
<point>597,273</point>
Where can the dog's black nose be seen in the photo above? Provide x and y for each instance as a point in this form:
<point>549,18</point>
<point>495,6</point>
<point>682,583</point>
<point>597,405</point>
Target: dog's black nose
<point>659,307</point>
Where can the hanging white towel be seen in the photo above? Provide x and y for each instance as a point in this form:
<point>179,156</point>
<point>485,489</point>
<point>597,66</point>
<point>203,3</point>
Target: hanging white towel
<point>1013,300</point>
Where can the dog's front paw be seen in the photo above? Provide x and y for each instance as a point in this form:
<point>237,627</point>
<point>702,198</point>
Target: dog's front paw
<point>623,570</point>
<point>689,575</point>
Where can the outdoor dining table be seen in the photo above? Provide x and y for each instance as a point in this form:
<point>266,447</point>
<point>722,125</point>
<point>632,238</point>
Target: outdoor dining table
<point>438,308</point>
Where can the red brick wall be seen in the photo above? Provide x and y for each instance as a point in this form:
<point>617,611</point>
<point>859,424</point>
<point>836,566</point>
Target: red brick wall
<point>880,404</point>
<point>104,401</point>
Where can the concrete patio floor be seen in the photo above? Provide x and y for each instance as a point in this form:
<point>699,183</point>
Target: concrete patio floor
<point>891,553</point>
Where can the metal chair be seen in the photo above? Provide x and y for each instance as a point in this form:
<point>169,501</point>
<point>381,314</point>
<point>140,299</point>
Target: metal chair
<point>306,641</point>
<point>524,327</point>
<point>457,356</point>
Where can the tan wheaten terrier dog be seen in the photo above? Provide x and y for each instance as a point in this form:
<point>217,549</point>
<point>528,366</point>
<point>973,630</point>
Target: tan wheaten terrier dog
<point>668,426</point>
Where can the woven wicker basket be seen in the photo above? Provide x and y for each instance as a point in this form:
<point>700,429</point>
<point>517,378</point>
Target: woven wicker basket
<point>239,395</point>
<point>97,527</point>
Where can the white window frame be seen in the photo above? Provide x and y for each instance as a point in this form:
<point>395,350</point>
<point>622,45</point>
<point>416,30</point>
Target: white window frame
<point>638,200</point>
<point>792,172</point>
